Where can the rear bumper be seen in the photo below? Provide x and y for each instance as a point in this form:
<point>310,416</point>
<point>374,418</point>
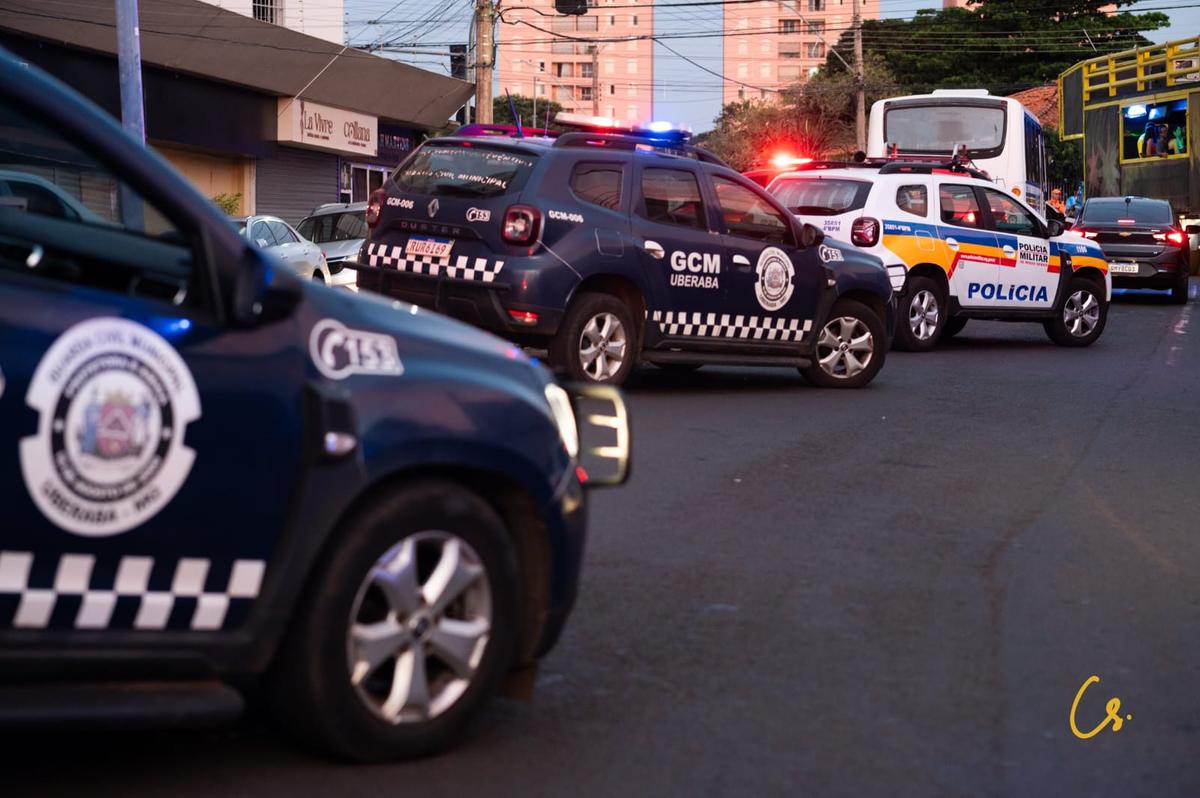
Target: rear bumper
<point>1159,274</point>
<point>483,305</point>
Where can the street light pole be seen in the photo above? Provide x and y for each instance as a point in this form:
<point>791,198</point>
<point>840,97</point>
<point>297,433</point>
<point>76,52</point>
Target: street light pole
<point>860,98</point>
<point>133,119</point>
<point>484,14</point>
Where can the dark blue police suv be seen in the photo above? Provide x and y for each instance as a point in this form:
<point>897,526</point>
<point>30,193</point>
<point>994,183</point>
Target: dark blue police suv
<point>607,248</point>
<point>216,475</point>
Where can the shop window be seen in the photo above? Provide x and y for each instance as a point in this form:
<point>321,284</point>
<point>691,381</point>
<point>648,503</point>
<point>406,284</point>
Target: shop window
<point>1154,130</point>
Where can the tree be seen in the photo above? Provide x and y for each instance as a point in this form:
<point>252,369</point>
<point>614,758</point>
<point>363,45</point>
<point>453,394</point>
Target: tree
<point>1000,45</point>
<point>502,114</point>
<point>813,119</point>
<point>1064,159</point>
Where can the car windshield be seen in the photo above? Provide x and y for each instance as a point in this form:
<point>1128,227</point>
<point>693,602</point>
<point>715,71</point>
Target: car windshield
<point>1143,211</point>
<point>346,226</point>
<point>456,171</point>
<point>822,196</point>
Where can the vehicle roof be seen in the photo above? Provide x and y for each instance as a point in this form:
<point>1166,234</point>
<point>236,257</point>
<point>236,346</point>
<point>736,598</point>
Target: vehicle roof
<point>869,175</point>
<point>337,207</point>
<point>539,145</point>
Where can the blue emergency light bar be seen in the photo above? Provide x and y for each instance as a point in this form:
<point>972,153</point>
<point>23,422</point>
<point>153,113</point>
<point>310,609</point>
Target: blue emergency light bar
<point>658,133</point>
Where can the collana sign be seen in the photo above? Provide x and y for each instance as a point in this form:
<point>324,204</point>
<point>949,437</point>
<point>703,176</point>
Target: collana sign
<point>323,127</point>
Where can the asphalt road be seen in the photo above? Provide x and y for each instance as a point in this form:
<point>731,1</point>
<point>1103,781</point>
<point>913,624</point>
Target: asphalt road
<point>896,591</point>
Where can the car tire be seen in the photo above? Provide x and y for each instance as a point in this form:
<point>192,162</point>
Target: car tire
<point>921,316</point>
<point>586,346</point>
<point>837,364</point>
<point>1079,315</point>
<point>954,325</point>
<point>374,606</point>
<point>1179,293</point>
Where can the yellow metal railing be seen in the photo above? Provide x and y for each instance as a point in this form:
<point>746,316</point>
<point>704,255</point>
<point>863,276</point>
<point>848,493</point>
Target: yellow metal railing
<point>1158,62</point>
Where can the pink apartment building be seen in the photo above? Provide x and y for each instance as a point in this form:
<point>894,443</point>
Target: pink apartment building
<point>771,45</point>
<point>615,80</point>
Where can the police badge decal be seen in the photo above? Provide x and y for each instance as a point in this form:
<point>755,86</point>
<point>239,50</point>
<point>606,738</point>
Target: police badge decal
<point>776,278</point>
<point>114,400</point>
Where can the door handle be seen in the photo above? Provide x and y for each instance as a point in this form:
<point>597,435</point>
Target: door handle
<point>742,262</point>
<point>1009,252</point>
<point>952,243</point>
<point>655,250</point>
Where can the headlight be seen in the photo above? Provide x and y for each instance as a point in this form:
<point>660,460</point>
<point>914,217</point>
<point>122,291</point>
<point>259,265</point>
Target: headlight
<point>564,417</point>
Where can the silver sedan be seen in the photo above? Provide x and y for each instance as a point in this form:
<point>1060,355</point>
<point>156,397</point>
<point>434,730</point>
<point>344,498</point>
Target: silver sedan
<point>281,240</point>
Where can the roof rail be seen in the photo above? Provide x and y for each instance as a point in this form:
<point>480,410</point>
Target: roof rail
<point>619,141</point>
<point>927,168</point>
<point>476,129</point>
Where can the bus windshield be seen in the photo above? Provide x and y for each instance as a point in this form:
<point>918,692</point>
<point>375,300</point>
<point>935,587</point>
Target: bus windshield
<point>938,129</point>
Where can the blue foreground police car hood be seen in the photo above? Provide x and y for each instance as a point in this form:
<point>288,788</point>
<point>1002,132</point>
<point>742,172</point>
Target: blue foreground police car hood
<point>424,329</point>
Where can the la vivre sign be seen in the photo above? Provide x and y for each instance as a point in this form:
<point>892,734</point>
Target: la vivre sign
<point>327,128</point>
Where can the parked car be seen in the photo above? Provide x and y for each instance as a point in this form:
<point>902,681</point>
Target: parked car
<point>276,236</point>
<point>339,229</point>
<point>956,247</point>
<point>221,478</point>
<point>610,246</point>
<point>1144,240</point>
<point>29,192</point>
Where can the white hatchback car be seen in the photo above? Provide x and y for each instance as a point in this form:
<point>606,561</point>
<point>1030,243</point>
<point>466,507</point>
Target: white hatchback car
<point>956,248</point>
<point>281,239</point>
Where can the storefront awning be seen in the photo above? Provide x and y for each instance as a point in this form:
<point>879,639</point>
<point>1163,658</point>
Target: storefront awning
<point>193,37</point>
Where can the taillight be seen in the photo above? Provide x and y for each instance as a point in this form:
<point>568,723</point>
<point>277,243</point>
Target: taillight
<point>1173,236</point>
<point>864,232</point>
<point>1085,232</point>
<point>521,223</point>
<point>375,206</point>
<point>523,316</point>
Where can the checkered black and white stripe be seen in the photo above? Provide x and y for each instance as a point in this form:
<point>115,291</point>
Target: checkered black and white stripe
<point>725,325</point>
<point>463,268</point>
<point>75,591</point>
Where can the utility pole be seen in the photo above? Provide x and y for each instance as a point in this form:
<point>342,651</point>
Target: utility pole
<point>595,80</point>
<point>860,91</point>
<point>133,119</point>
<point>484,62</point>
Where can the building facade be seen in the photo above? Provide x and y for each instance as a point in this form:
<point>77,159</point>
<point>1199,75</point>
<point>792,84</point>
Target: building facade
<point>323,19</point>
<point>772,45</point>
<point>606,78</point>
<point>240,114</point>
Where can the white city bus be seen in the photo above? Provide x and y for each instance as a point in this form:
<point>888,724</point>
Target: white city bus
<point>1002,137</point>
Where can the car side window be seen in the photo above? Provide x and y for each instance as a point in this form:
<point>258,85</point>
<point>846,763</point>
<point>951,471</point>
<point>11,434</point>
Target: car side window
<point>85,224</point>
<point>260,233</point>
<point>672,196</point>
<point>913,199</point>
<point>749,215</point>
<point>959,206</point>
<point>350,226</point>
<point>1009,216</point>
<point>599,184</point>
<point>283,233</point>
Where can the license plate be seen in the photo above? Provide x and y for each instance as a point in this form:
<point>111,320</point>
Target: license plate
<point>428,247</point>
<point>1123,268</point>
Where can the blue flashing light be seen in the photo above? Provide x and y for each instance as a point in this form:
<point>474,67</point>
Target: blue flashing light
<point>170,328</point>
<point>1135,111</point>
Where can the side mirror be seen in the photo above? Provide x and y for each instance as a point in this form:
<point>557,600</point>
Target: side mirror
<point>810,235</point>
<point>1055,228</point>
<point>1192,229</point>
<point>266,290</point>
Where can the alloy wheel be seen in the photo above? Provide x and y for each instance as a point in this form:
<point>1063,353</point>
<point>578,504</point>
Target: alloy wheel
<point>923,314</point>
<point>419,627</point>
<point>602,346</point>
<point>845,347</point>
<point>1081,313</point>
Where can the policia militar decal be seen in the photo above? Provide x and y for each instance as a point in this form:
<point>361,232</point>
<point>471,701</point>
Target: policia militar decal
<point>114,401</point>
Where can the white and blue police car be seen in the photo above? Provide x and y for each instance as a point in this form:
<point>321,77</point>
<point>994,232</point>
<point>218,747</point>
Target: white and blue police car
<point>957,247</point>
<point>611,245</point>
<point>219,478</point>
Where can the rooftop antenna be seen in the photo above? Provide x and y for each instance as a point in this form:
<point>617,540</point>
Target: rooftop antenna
<point>512,106</point>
